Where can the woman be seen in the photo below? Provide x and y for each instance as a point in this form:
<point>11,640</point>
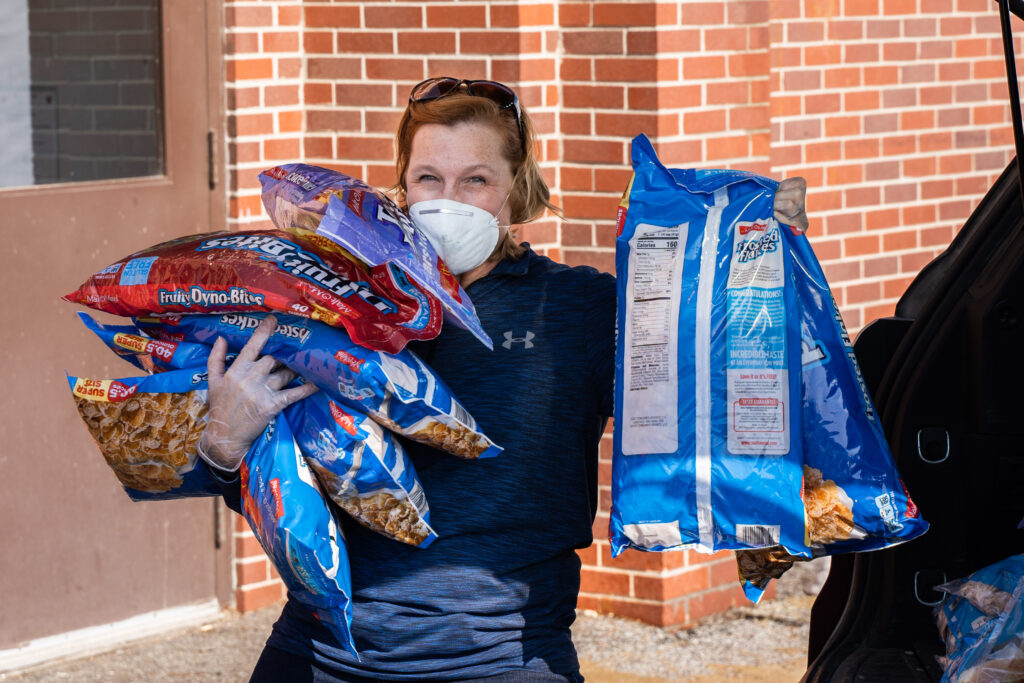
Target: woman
<point>494,596</point>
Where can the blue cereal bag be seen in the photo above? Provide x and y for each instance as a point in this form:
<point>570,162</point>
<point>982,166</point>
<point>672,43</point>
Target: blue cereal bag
<point>147,429</point>
<point>707,447</point>
<point>981,621</point>
<point>854,497</point>
<point>397,390</point>
<point>362,468</point>
<point>145,353</point>
<point>317,202</point>
<point>286,511</point>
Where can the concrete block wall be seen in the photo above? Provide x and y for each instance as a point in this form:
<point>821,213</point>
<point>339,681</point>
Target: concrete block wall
<point>894,110</point>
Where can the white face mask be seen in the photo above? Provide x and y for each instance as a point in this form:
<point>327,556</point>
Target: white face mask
<point>462,234</point>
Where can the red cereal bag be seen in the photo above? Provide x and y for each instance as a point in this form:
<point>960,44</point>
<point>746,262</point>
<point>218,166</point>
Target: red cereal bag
<point>267,270</point>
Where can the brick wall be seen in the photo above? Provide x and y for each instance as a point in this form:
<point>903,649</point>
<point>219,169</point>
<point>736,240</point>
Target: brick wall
<point>893,110</point>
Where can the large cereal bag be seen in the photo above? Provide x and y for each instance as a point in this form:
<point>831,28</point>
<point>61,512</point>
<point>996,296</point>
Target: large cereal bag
<point>311,201</point>
<point>854,497</point>
<point>287,513</point>
<point>144,352</point>
<point>399,391</point>
<point>147,429</point>
<point>362,468</point>
<point>707,447</point>
<point>266,270</point>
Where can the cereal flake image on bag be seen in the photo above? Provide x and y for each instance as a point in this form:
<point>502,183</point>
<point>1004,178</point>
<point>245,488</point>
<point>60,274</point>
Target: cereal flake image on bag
<point>147,429</point>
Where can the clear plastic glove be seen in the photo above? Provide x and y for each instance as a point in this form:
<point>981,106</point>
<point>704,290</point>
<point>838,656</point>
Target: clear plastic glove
<point>791,203</point>
<point>245,399</point>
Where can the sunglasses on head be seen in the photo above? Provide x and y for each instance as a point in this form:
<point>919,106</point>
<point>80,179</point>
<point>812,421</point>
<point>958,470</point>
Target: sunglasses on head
<point>502,95</point>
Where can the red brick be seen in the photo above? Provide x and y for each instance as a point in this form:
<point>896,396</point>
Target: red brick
<point>624,125</point>
<point>860,245</point>
<point>240,43</point>
<point>522,15</point>
<point>433,42</point>
<point>289,15</point>
<point>594,42</point>
<point>842,271</point>
<point>362,42</point>
<point>900,192</point>
<point>861,52</point>
<point>823,151</point>
<point>897,241</point>
<point>703,13</point>
<point>247,546</point>
<point>748,64</point>
<point>703,67</point>
<point>711,602</point>
<point>843,223</point>
<point>281,41</point>
<point>747,12</point>
<point>671,587</point>
<point>244,69</point>
<point>919,167</point>
<point>844,175</point>
<point>248,16</point>
<point>877,267</point>
<point>732,147</point>
<point>594,96</point>
<point>882,219</point>
<point>252,599</point>
<point>918,215</point>
<point>575,14</point>
<point>394,69</point>
<point>863,293</point>
<point>612,180</point>
<point>251,572</point>
<point>335,68</point>
<point>364,147</point>
<point>624,14</point>
<point>712,121</point>
<point>588,555</point>
<point>828,103</point>
<point>498,42</point>
<point>364,94</point>
<point>323,16</point>
<point>625,69</point>
<point>609,583</point>
<point>382,121</point>
<point>394,16</point>
<point>289,121</point>
<point>861,149</point>
<point>604,261</point>
<point>318,148</point>
<point>456,16</point>
<point>590,206</point>
<point>287,148</point>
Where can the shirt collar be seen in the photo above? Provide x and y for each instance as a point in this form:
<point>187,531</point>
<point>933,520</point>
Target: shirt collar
<point>517,268</point>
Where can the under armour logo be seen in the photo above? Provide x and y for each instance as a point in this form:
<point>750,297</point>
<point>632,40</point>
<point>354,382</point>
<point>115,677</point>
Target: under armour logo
<point>527,341</point>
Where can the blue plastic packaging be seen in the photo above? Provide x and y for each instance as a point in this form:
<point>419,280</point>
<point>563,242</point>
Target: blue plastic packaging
<point>287,513</point>
<point>767,440</point>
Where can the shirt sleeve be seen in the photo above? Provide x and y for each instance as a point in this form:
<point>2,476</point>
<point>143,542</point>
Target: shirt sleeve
<point>230,486</point>
<point>599,319</point>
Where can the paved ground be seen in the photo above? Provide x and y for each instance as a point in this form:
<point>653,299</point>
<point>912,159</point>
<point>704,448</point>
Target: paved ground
<point>765,643</point>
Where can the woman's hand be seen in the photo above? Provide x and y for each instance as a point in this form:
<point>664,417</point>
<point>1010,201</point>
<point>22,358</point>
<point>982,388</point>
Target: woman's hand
<point>245,399</point>
<point>791,203</point>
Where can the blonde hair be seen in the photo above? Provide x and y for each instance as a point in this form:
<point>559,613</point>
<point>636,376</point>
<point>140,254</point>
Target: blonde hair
<point>529,196</point>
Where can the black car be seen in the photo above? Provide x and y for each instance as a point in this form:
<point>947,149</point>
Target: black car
<point>947,375</point>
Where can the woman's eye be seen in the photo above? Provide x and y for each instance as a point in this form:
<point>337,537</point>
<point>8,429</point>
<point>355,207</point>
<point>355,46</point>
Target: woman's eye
<point>426,178</point>
<point>477,180</point>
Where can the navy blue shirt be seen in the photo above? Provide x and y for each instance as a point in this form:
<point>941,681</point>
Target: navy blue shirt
<point>497,590</point>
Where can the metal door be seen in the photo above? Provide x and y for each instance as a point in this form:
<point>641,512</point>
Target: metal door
<point>109,112</point>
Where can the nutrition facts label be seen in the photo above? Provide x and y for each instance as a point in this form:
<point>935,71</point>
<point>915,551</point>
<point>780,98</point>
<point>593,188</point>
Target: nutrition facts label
<point>650,416</point>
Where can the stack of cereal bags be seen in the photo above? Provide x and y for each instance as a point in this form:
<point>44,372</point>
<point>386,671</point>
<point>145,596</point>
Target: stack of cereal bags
<point>741,418</point>
<point>342,324</point>
<point>981,621</point>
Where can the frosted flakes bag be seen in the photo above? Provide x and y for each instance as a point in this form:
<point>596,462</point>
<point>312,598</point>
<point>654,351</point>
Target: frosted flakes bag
<point>707,447</point>
<point>147,429</point>
<point>306,199</point>
<point>144,352</point>
<point>287,513</point>
<point>398,390</point>
<point>362,468</point>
